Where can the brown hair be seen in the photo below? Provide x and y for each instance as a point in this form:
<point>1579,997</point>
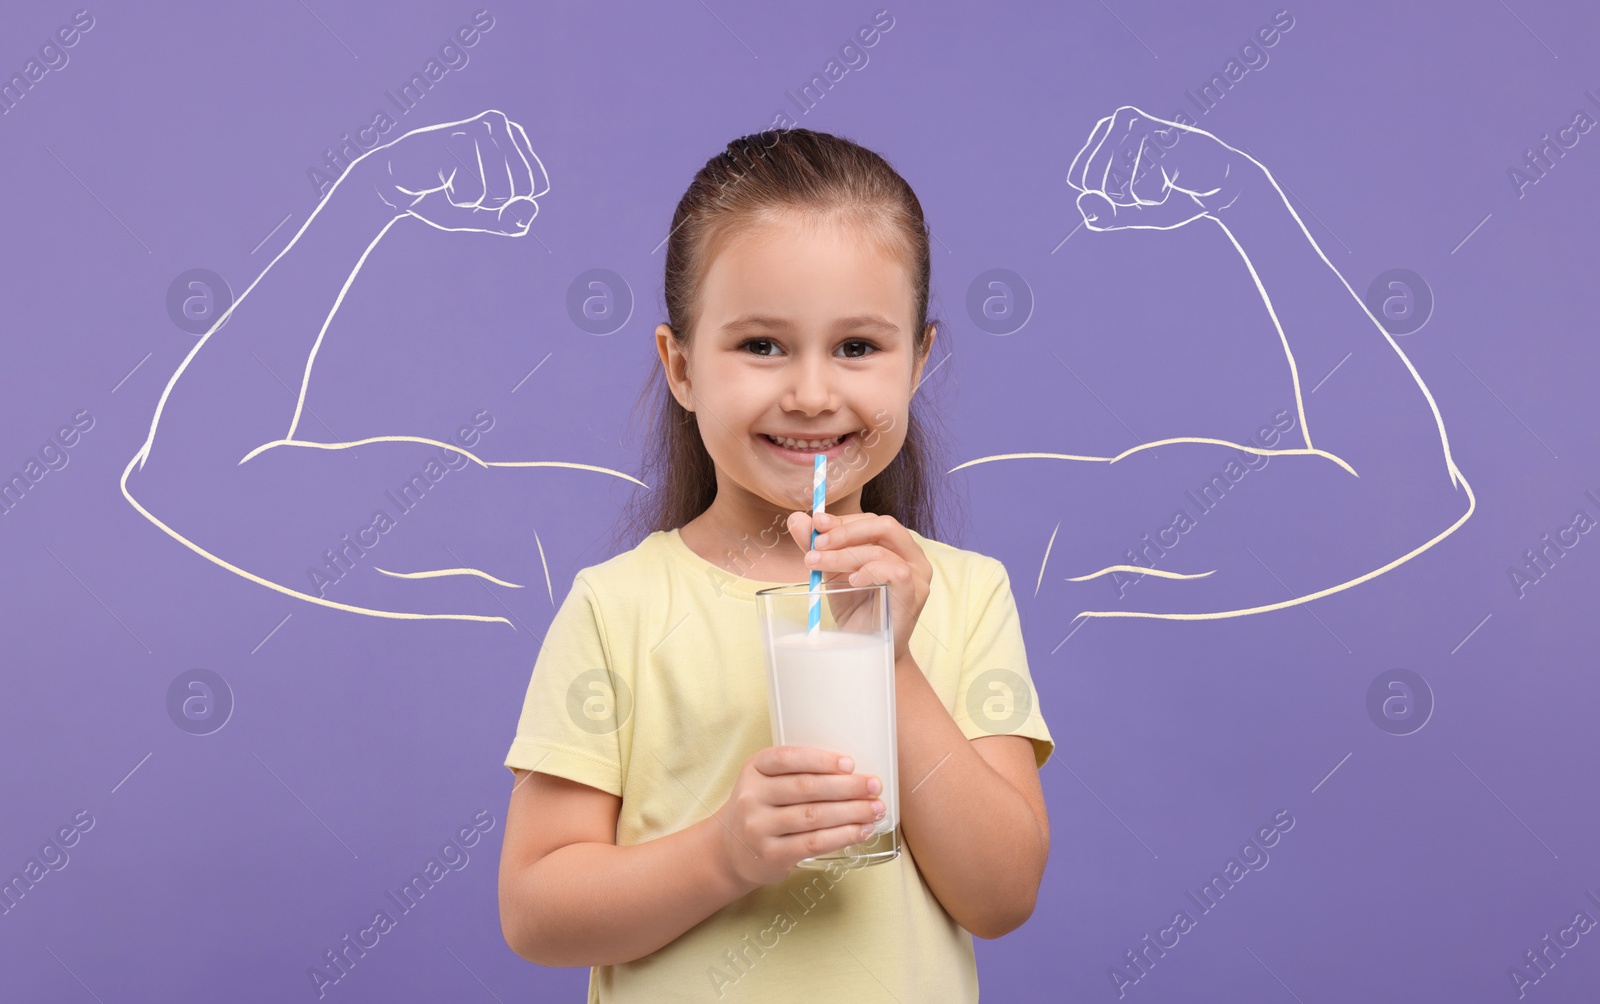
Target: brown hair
<point>756,177</point>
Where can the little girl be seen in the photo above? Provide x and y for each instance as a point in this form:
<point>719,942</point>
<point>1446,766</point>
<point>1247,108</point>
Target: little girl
<point>653,829</point>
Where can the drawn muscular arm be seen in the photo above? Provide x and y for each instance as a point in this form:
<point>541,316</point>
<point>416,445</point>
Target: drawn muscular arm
<point>1361,481</point>
<point>243,382</point>
<point>231,425</point>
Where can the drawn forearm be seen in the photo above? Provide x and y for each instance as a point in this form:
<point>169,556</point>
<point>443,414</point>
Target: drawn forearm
<point>1357,395</point>
<point>242,384</point>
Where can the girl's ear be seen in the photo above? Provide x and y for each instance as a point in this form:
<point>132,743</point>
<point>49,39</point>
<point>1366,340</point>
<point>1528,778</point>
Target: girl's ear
<point>675,364</point>
<point>922,358</point>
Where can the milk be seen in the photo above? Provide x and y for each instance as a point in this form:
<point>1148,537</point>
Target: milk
<point>836,692</point>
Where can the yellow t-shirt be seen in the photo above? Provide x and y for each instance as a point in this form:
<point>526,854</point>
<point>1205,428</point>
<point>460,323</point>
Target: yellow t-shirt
<point>681,639</point>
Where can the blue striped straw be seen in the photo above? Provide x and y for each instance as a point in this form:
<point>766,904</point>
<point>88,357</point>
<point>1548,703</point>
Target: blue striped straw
<point>819,499</point>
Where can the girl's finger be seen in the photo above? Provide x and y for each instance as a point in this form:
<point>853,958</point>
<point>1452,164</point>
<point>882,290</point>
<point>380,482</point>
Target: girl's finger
<point>811,816</point>
<point>836,838</point>
<point>847,559</point>
<point>798,789</point>
<point>801,524</point>
<point>824,518</point>
<point>885,531</point>
<point>896,573</point>
<point>799,527</point>
<point>775,760</point>
<point>856,527</point>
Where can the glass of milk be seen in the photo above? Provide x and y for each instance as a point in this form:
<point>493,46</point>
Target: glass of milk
<point>833,689</point>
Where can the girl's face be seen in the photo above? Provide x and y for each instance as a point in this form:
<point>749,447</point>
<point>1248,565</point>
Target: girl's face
<point>804,331</point>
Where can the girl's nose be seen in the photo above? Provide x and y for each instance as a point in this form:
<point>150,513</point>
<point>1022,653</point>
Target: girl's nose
<point>811,390</point>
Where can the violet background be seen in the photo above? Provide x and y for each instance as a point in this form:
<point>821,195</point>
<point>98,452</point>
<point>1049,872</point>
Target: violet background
<point>1422,869</point>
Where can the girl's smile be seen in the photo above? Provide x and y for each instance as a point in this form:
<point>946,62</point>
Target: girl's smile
<point>802,454</point>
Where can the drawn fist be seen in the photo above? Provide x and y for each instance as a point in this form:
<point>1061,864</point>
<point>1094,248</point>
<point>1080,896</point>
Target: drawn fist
<point>477,174</point>
<point>1137,171</point>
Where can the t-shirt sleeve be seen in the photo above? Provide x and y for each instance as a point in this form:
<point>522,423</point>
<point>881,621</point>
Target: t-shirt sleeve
<point>995,695</point>
<point>574,701</point>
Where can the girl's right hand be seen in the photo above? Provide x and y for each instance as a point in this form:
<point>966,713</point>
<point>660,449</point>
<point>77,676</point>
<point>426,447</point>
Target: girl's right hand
<point>793,802</point>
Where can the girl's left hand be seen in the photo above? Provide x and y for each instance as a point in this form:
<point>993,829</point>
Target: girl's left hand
<point>862,549</point>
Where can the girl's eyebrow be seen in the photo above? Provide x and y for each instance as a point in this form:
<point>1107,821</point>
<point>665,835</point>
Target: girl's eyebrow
<point>857,322</point>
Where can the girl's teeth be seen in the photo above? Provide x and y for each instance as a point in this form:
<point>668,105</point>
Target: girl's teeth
<point>806,444</point>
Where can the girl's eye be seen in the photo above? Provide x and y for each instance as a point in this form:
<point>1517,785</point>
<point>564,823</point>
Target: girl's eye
<point>748,343</point>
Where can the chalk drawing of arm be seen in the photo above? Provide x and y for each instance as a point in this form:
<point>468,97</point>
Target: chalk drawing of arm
<point>240,394</point>
<point>1366,450</point>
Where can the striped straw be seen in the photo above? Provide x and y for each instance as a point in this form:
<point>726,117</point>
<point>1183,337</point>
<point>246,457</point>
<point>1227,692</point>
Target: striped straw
<point>819,498</point>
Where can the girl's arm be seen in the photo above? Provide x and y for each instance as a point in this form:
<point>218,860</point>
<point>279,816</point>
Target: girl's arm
<point>972,811</point>
<point>569,896</point>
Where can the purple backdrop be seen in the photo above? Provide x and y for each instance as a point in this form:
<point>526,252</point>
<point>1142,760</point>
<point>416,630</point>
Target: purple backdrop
<point>222,852</point>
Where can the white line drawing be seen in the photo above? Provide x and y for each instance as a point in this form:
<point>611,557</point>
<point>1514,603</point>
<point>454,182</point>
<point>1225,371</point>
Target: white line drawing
<point>1140,172</point>
<point>479,174</point>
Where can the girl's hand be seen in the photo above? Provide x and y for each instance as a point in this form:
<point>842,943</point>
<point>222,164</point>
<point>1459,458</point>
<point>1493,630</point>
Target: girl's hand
<point>793,802</point>
<point>1137,171</point>
<point>862,549</point>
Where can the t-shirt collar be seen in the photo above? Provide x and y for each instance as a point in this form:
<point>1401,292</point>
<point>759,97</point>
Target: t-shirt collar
<point>719,578</point>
